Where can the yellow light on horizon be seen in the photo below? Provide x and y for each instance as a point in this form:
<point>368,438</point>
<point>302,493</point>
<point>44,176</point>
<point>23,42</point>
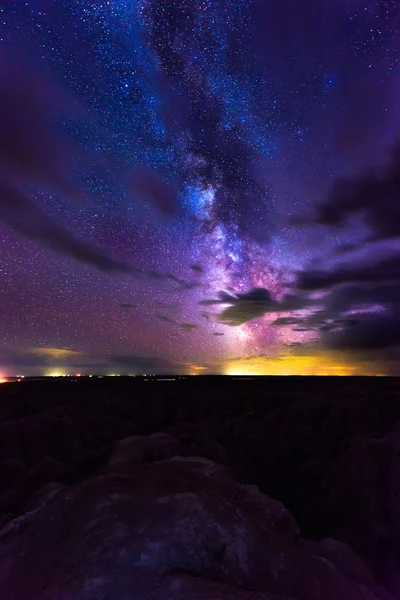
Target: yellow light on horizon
<point>294,366</point>
<point>55,374</point>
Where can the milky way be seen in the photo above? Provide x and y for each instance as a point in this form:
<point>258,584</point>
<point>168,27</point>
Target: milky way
<point>201,136</point>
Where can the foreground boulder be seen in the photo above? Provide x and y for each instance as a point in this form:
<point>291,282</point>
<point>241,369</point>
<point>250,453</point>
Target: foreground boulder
<point>175,528</point>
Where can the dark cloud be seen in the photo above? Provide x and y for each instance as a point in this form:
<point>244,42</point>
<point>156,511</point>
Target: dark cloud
<point>181,284</point>
<point>245,307</point>
<point>143,364</point>
<point>166,319</point>
<point>35,361</point>
<point>346,322</point>
<point>361,307</point>
<point>313,322</point>
<point>381,271</point>
<point>254,304</point>
<point>375,196</point>
<point>171,305</point>
<point>345,248</point>
<point>207,316</point>
<point>287,321</point>
<point>28,219</point>
<point>154,190</point>
<point>325,328</point>
<point>294,345</point>
<point>32,149</point>
<point>357,296</point>
<point>372,331</point>
<point>20,359</point>
<point>185,326</point>
<point>190,285</point>
<point>127,305</point>
<point>218,333</point>
<point>223,298</point>
<point>34,152</point>
<point>197,269</point>
<point>188,326</point>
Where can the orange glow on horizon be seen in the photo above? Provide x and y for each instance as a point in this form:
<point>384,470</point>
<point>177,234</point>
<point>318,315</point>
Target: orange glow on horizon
<point>196,369</point>
<point>300,365</point>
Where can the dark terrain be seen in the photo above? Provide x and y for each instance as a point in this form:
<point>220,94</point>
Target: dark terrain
<point>87,516</point>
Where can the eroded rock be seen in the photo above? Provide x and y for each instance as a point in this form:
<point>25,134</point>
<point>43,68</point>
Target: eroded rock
<point>175,528</point>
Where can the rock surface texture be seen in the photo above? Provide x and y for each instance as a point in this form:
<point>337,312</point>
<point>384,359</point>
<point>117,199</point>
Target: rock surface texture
<point>152,524</point>
<point>188,493</point>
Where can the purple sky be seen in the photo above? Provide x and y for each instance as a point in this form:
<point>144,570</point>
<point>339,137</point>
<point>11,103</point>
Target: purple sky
<point>200,187</point>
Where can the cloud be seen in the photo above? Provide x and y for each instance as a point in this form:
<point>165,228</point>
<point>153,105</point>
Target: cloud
<point>171,305</point>
<point>28,219</point>
<point>154,190</point>
<point>245,307</point>
<point>223,298</point>
<point>142,364</point>
<point>55,353</point>
<point>32,149</point>
<point>187,326</point>
<point>372,331</point>
<point>34,152</point>
<point>361,308</point>
<point>381,271</point>
<point>218,333</point>
<point>207,316</point>
<point>197,269</point>
<point>374,195</point>
<point>325,327</point>
<point>35,360</point>
<point>345,248</point>
<point>254,304</point>
<point>346,322</point>
<point>287,321</point>
<point>48,361</point>
<point>356,296</point>
<point>166,319</point>
<point>127,305</point>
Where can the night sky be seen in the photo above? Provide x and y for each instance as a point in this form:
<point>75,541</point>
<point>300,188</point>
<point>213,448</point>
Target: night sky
<point>200,186</point>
